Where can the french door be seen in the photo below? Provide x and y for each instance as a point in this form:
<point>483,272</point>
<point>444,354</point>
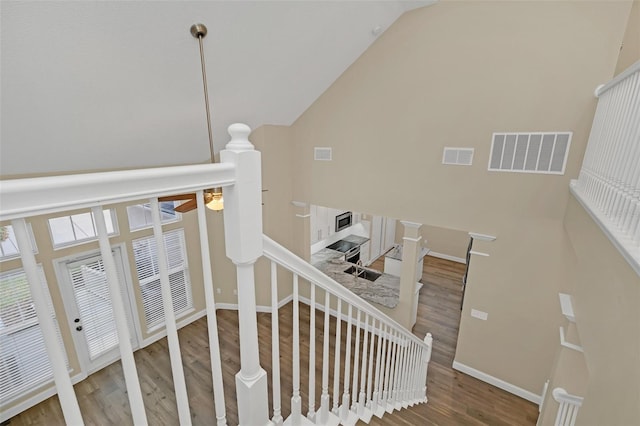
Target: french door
<point>88,304</point>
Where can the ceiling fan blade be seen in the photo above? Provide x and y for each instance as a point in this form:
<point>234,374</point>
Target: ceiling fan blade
<point>177,197</point>
<point>187,207</point>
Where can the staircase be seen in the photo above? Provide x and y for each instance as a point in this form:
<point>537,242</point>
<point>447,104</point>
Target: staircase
<point>370,365</point>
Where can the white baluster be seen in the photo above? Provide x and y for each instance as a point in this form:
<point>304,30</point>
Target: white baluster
<point>296,401</point>
<point>428,339</point>
<point>379,352</point>
<point>312,354</point>
<point>370,372</point>
<point>212,321</point>
<point>55,352</point>
<point>134,393</point>
<point>336,362</point>
<point>368,408</point>
<point>390,400</point>
<point>384,373</point>
<point>356,361</point>
<point>177,372</point>
<point>363,372</point>
<point>324,397</point>
<point>344,409</point>
<point>275,351</point>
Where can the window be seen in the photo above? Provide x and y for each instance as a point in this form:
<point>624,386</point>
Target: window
<point>24,363</point>
<point>79,228</point>
<point>146,257</point>
<point>140,214</point>
<point>9,245</point>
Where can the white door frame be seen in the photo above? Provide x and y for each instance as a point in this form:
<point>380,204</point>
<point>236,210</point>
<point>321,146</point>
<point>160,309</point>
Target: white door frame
<point>69,301</point>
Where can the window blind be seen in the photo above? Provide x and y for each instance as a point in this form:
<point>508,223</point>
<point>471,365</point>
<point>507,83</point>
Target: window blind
<point>24,362</point>
<point>146,254</point>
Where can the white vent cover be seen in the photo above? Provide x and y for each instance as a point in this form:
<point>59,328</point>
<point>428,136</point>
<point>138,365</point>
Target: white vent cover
<point>457,156</point>
<point>530,152</point>
<point>322,153</point>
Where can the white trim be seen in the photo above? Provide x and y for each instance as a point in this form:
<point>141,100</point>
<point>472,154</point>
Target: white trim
<point>499,383</point>
<point>408,224</point>
<point>567,344</point>
<point>6,414</point>
<point>303,215</point>
<point>617,79</point>
<point>179,324</point>
<point>566,305</point>
<point>259,308</point>
<point>415,240</point>
<point>481,237</point>
<point>478,253</point>
<point>447,257</point>
<point>299,204</point>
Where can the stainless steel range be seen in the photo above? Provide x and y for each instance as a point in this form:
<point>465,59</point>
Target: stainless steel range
<point>350,249</point>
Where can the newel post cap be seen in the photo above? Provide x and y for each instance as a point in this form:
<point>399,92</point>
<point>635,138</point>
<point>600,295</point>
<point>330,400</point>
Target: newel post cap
<point>239,133</point>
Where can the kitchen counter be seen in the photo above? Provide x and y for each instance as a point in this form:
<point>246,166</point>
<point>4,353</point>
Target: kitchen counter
<point>385,290</point>
<point>393,261</point>
<point>356,239</point>
<point>396,253</point>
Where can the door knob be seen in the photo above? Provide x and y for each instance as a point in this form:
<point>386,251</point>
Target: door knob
<point>79,328</point>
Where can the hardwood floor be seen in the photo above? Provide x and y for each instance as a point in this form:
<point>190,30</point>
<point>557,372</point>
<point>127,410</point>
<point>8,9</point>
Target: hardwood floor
<point>454,398</point>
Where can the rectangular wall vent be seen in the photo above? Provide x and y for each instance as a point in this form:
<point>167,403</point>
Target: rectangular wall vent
<point>322,153</point>
<point>457,156</point>
<point>530,152</point>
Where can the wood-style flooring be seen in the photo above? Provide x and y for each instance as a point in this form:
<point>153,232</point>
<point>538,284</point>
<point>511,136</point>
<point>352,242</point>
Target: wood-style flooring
<point>454,398</point>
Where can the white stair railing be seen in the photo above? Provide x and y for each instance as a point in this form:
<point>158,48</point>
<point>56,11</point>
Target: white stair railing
<point>385,365</point>
<point>609,182</point>
<point>23,199</point>
<point>388,370</point>
<point>568,409</point>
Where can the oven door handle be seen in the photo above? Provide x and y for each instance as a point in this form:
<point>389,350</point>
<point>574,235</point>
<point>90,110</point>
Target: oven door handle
<point>353,251</point>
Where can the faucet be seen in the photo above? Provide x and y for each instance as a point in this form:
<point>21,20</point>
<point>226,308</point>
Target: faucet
<point>357,268</point>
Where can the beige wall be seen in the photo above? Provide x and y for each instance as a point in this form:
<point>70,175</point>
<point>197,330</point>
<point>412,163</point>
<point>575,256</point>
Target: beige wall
<point>450,75</point>
<point>606,295</point>
<point>630,49</point>
<point>451,242</point>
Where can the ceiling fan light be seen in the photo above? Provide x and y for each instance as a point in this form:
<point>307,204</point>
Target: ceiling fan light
<point>217,202</point>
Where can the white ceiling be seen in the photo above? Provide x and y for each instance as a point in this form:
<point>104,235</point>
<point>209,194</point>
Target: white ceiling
<point>90,85</point>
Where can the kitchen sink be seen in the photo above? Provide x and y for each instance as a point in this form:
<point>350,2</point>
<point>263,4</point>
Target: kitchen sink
<point>363,273</point>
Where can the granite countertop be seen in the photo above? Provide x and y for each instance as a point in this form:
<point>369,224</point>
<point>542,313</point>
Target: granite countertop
<point>384,290</point>
<point>396,252</point>
<point>356,239</point>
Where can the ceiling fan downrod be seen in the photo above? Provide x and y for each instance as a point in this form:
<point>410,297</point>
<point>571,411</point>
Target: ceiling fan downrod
<point>199,31</point>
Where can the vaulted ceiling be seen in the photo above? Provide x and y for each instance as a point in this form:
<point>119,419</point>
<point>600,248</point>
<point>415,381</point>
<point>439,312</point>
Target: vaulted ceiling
<point>89,85</point>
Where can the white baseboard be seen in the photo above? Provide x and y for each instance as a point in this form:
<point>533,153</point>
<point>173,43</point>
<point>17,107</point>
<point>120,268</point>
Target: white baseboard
<point>446,257</point>
<point>513,389</point>
<point>163,333</point>
<point>259,308</point>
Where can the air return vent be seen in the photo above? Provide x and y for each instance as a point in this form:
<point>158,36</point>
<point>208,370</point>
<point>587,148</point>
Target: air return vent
<point>530,152</point>
<point>457,156</point>
<point>322,153</point>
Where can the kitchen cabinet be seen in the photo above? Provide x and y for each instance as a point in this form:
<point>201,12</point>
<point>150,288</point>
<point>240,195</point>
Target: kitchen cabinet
<point>323,222</point>
<point>365,253</point>
<point>383,234</point>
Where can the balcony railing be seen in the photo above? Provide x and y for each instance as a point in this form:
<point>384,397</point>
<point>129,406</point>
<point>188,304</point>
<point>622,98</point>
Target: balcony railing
<point>609,183</point>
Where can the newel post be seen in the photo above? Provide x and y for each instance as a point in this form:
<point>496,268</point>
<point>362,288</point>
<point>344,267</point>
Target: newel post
<point>243,239</point>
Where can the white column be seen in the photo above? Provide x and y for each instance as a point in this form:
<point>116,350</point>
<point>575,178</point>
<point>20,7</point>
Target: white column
<point>243,239</point>
<point>134,393</point>
<point>55,352</point>
<point>408,276</point>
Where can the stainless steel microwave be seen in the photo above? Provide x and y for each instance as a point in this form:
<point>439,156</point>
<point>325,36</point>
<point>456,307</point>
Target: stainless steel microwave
<point>343,221</point>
